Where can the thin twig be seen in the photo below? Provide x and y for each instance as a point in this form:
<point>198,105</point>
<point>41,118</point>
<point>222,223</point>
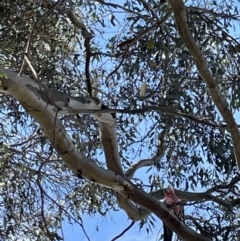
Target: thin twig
<point>119,65</point>
<point>87,63</point>
<point>130,42</point>
<point>32,31</point>
<point>114,5</point>
<point>38,181</point>
<point>32,69</point>
<point>63,209</point>
<point>226,186</point>
<point>213,13</point>
<point>124,231</point>
<point>133,40</point>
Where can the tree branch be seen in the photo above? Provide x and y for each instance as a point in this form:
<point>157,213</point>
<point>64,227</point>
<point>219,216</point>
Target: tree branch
<point>124,231</point>
<point>201,63</point>
<point>71,16</point>
<point>31,35</point>
<point>167,111</point>
<point>194,196</point>
<point>212,13</point>
<point>26,91</point>
<point>137,165</point>
<point>114,5</point>
<point>108,137</point>
<point>150,162</point>
<point>133,40</point>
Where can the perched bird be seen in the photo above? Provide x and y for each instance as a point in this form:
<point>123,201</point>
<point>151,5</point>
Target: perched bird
<point>169,200</point>
<point>143,90</point>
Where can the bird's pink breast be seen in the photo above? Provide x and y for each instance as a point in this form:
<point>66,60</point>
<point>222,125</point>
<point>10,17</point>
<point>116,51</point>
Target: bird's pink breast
<point>172,198</point>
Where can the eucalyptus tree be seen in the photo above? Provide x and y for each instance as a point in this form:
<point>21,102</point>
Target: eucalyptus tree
<point>93,91</point>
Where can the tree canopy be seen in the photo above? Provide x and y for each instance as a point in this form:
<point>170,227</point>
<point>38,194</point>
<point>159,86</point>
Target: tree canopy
<point>93,91</point>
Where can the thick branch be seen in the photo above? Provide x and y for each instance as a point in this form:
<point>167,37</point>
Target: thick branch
<point>164,110</point>
<point>194,196</point>
<point>137,165</point>
<point>27,93</point>
<point>72,105</point>
<point>150,162</point>
<point>201,63</point>
<point>32,99</point>
<point>108,139</point>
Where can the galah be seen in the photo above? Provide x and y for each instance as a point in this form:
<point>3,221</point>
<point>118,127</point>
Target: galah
<point>169,200</point>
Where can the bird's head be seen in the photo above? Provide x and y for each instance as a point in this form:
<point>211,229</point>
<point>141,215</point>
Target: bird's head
<point>169,189</point>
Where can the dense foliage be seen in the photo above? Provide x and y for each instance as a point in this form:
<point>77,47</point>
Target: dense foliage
<point>128,45</point>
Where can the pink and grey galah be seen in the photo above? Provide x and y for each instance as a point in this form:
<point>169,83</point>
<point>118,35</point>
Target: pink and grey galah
<point>170,200</point>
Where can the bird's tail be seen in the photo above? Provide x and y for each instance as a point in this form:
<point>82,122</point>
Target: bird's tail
<point>167,233</point>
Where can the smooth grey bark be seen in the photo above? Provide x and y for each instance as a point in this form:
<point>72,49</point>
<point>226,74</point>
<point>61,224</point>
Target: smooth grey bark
<point>179,11</point>
<point>36,102</point>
